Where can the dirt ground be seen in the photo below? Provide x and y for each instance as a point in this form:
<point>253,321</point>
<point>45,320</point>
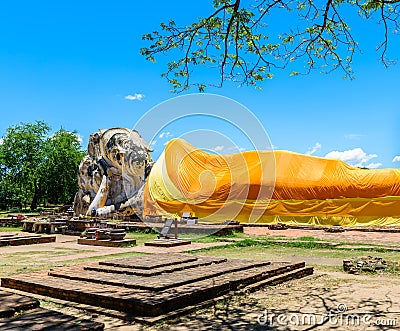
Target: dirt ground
<point>327,300</point>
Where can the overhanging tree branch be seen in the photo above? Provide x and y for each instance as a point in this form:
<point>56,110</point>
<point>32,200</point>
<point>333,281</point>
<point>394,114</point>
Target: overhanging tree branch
<point>236,41</point>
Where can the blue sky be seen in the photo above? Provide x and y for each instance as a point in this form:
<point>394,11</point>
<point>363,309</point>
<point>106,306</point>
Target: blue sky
<point>74,64</point>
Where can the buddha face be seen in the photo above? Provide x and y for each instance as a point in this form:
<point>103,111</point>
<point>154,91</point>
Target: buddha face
<point>123,157</point>
<point>122,150</point>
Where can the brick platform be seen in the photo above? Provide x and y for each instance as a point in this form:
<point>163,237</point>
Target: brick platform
<point>11,303</point>
<point>107,243</point>
<point>162,242</point>
<point>31,317</point>
<point>43,319</point>
<point>200,229</point>
<point>17,240</point>
<point>10,221</point>
<point>153,285</point>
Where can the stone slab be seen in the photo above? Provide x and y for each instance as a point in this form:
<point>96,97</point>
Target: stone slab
<point>11,303</point>
<point>106,243</point>
<point>10,221</point>
<point>167,242</point>
<point>31,317</point>
<point>148,262</point>
<point>43,319</point>
<point>26,240</point>
<point>200,228</point>
<point>153,283</point>
<point>120,284</point>
<point>126,269</point>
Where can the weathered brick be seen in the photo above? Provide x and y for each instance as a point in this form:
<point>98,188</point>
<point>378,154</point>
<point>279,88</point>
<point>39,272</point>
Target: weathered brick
<point>154,284</point>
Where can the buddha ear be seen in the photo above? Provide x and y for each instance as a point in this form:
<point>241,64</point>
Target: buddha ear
<point>147,169</point>
<point>138,140</point>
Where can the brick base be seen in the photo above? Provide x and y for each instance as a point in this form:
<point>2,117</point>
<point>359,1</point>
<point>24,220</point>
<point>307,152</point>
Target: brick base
<point>107,243</point>
<point>18,240</point>
<point>19,312</point>
<point>153,285</point>
<point>167,242</point>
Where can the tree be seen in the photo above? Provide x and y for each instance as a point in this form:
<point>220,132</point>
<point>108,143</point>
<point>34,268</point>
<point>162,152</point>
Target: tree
<point>63,155</point>
<point>22,153</point>
<point>37,167</point>
<point>236,40</point>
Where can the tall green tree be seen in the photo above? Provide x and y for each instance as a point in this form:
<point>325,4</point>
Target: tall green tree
<point>237,40</point>
<point>62,157</point>
<point>22,153</point>
<point>36,167</point>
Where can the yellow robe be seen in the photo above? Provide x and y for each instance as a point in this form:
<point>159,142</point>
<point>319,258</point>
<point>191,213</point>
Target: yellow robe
<point>270,186</point>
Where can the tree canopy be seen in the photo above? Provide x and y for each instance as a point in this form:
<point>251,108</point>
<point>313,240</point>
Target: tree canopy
<point>237,40</point>
<point>36,167</point>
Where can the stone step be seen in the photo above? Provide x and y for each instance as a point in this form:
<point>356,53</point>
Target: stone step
<point>152,283</point>
<point>31,317</point>
<point>149,262</point>
<point>153,295</point>
<point>156,271</point>
<point>167,242</point>
<point>106,242</point>
<point>28,240</point>
<point>43,319</point>
<point>284,277</point>
<point>11,303</point>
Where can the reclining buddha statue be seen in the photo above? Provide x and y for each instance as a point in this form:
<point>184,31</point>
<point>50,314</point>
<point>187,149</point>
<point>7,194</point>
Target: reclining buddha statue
<point>112,176</point>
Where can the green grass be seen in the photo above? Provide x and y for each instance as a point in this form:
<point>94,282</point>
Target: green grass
<point>310,244</point>
<point>10,229</point>
<point>24,262</point>
<point>306,246</point>
<point>143,236</point>
<point>324,257</point>
<point>307,238</point>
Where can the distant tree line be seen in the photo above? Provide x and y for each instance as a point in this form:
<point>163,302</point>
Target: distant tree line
<point>38,168</point>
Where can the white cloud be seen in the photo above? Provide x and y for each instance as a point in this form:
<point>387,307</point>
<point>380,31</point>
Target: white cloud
<point>165,134</point>
<point>222,148</point>
<point>218,148</point>
<point>79,137</point>
<point>313,149</point>
<point>374,165</point>
<point>355,157</point>
<point>353,136</point>
<point>236,148</point>
<point>396,158</point>
<point>136,96</point>
<point>153,142</point>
